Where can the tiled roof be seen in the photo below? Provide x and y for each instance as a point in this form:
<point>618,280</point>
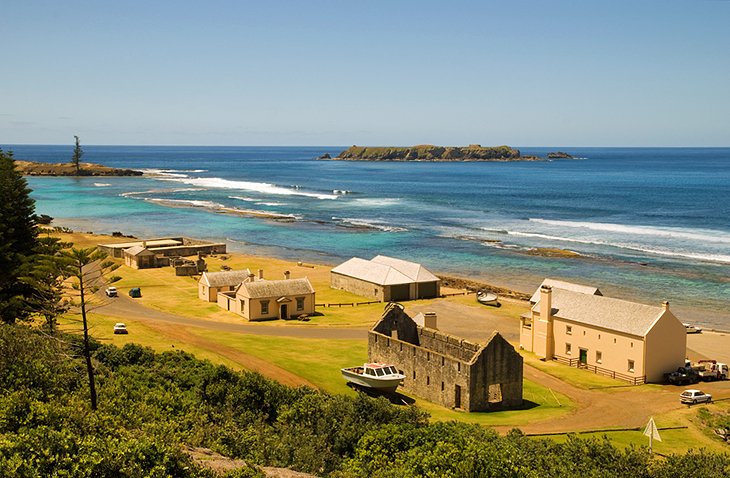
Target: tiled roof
<point>384,270</point>
<point>558,284</point>
<point>415,271</point>
<point>605,312</point>
<point>137,250</point>
<point>261,289</point>
<point>224,278</point>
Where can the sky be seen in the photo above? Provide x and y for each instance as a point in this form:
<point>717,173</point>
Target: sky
<point>375,72</point>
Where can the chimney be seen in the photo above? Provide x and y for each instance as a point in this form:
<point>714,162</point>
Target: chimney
<point>251,277</point>
<point>286,275</point>
<point>261,273</point>
<point>546,303</point>
<point>144,244</point>
<point>665,305</point>
<point>429,320</point>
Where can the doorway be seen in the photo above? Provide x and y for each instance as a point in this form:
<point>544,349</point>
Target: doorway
<point>583,357</point>
<point>284,312</point>
<point>457,396</point>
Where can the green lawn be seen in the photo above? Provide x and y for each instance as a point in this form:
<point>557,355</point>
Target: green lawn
<point>581,378</point>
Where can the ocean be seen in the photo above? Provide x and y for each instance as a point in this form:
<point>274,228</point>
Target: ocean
<point>646,224</point>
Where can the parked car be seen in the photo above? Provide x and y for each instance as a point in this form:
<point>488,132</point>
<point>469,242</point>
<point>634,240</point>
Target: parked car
<point>111,291</point>
<point>694,396</point>
<point>135,292</point>
<point>692,329</point>
<point>120,328</point>
<point>683,376</point>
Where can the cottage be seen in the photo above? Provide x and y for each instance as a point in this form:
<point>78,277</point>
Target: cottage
<point>211,283</point>
<point>139,257</point>
<point>261,299</point>
<point>445,369</point>
<point>386,279</point>
<point>633,342</point>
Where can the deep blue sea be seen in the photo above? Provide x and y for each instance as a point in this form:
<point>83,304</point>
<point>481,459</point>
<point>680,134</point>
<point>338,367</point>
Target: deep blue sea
<point>649,224</point>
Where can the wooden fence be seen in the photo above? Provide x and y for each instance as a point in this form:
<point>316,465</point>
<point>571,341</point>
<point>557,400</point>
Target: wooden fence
<point>574,362</point>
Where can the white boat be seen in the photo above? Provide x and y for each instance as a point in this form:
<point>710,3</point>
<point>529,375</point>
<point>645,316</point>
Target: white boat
<point>487,298</point>
<point>376,376</point>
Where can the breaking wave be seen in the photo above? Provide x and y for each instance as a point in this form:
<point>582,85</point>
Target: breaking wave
<point>367,224</point>
<point>264,188</point>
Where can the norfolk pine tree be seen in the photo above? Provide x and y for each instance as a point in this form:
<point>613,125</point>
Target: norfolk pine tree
<point>18,241</point>
<point>76,158</point>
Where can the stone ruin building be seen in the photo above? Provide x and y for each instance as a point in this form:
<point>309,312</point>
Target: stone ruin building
<point>445,369</point>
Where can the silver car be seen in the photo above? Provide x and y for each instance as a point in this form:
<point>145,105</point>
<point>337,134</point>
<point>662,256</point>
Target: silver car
<point>694,396</point>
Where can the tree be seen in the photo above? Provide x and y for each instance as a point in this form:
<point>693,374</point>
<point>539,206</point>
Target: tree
<point>87,267</point>
<point>46,279</point>
<point>18,240</point>
<point>76,158</point>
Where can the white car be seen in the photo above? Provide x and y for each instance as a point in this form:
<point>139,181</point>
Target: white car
<point>111,291</point>
<point>120,328</point>
<point>694,396</point>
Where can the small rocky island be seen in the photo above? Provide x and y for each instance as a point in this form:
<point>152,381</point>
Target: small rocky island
<point>559,155</point>
<point>427,152</point>
<point>30,168</point>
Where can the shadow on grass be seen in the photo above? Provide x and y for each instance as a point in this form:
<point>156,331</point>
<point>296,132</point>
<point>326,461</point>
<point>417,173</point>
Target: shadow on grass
<point>393,397</point>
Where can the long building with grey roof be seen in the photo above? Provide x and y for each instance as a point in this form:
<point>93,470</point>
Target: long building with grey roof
<point>625,340</point>
<point>386,279</point>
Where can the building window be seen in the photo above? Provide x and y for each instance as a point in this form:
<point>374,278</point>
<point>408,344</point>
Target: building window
<point>568,330</point>
<point>442,386</point>
<point>243,304</point>
<point>614,341</point>
<point>443,361</point>
<point>428,380</point>
<point>401,347</point>
<point>264,306</point>
<point>414,375</point>
<point>632,345</point>
<point>599,336</point>
<point>387,342</point>
<point>568,349</point>
<point>599,357</point>
<point>428,356</point>
<point>414,351</point>
<point>631,366</point>
<point>584,332</point>
<point>300,303</point>
<point>458,366</point>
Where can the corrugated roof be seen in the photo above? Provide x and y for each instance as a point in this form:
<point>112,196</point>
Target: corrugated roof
<point>559,284</point>
<point>373,272</point>
<point>415,271</point>
<point>261,289</point>
<point>605,312</point>
<point>137,250</point>
<point>150,243</point>
<point>224,278</point>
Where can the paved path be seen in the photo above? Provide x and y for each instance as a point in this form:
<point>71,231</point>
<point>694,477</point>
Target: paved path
<point>125,307</point>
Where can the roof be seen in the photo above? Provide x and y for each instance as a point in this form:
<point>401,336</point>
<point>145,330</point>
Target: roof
<point>410,269</point>
<point>558,284</point>
<point>384,270</point>
<point>605,312</point>
<point>369,271</point>
<point>225,278</point>
<point>261,289</point>
<point>150,243</point>
<point>138,251</point>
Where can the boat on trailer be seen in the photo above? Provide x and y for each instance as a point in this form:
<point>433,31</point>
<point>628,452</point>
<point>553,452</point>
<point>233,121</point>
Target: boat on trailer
<point>376,376</point>
<point>487,298</point>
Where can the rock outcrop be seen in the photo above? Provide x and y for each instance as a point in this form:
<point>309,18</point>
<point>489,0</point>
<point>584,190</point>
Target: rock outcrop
<point>30,168</point>
<point>559,155</point>
<point>427,152</point>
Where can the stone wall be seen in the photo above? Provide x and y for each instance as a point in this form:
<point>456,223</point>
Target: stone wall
<point>359,287</point>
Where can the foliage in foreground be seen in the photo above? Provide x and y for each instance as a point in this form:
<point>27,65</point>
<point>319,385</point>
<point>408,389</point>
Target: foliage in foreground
<point>150,405</point>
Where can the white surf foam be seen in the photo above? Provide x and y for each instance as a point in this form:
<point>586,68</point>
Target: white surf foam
<point>667,232</point>
<point>376,202</point>
<point>368,224</point>
<point>101,185</point>
<point>264,188</point>
<point>187,202</point>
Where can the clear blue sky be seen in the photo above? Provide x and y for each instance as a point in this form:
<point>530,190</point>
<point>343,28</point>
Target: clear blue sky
<point>518,72</point>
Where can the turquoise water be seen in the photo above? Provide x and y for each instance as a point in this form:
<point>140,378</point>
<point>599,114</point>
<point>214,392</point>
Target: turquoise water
<point>649,224</point>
